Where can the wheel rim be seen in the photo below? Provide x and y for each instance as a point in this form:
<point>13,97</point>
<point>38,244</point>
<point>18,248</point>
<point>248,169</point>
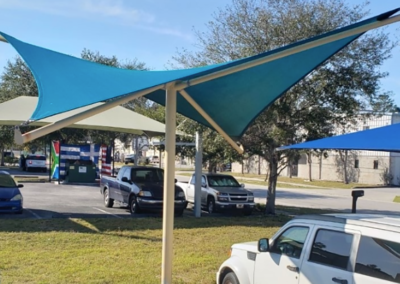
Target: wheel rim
<point>106,196</point>
<point>133,205</point>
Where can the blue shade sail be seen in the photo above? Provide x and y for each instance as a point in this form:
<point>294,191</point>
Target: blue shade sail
<point>385,138</point>
<point>232,101</point>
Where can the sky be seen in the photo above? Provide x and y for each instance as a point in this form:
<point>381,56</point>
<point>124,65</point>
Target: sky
<point>149,30</point>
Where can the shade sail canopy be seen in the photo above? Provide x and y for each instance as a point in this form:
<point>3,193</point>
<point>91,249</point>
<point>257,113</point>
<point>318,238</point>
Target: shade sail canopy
<point>385,138</point>
<point>119,119</point>
<point>233,101</point>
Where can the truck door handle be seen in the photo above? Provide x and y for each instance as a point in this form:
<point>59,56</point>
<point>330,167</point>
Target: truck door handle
<point>340,281</point>
<point>293,268</point>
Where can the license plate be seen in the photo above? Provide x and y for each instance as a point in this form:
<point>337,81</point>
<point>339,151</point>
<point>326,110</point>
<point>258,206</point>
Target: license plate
<point>239,206</point>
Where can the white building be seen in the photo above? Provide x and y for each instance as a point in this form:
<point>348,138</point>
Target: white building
<point>368,167</point>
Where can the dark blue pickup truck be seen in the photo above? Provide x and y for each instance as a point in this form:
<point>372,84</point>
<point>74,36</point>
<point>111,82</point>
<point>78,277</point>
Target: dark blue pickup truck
<point>141,188</point>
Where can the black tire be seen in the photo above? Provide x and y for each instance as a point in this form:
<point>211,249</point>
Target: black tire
<point>211,205</point>
<point>230,278</point>
<point>133,205</point>
<point>108,202</point>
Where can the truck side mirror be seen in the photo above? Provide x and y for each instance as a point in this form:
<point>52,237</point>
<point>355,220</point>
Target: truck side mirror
<point>125,179</point>
<point>203,184</point>
<point>263,245</point>
<point>242,185</point>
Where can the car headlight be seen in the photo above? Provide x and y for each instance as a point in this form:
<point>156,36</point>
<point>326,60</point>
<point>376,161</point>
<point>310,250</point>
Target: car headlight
<point>181,194</point>
<point>145,193</point>
<point>16,197</point>
<point>222,196</point>
<point>250,197</point>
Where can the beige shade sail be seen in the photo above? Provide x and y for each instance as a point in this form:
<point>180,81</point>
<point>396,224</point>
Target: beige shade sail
<point>118,119</point>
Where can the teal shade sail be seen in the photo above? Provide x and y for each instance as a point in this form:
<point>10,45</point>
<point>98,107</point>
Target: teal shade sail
<point>232,101</point>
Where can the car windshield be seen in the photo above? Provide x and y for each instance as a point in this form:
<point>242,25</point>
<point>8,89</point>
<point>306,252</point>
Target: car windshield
<point>221,181</point>
<point>147,175</point>
<point>7,181</point>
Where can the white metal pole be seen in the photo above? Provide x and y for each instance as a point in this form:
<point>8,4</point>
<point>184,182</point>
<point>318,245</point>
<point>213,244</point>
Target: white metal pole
<point>197,173</point>
<point>32,135</point>
<point>169,184</point>
<point>196,106</point>
<point>287,52</point>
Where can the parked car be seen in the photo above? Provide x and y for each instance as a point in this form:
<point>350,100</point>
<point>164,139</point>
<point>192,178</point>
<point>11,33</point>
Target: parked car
<point>141,188</point>
<point>33,163</point>
<point>11,200</point>
<point>332,248</point>
<point>220,192</point>
<point>154,159</point>
<point>130,158</point>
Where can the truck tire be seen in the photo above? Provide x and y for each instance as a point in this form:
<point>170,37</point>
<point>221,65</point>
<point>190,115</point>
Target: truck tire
<point>133,205</point>
<point>211,205</point>
<point>230,278</point>
<point>108,202</point>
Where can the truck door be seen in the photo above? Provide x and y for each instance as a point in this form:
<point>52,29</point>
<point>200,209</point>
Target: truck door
<point>114,186</point>
<point>125,186</point>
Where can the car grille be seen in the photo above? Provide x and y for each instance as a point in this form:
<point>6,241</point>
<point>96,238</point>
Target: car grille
<point>4,199</point>
<point>238,197</point>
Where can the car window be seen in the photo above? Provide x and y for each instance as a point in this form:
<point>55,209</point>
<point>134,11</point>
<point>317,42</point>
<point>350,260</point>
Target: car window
<point>193,179</point>
<point>147,175</point>
<point>38,158</point>
<point>222,181</point>
<point>7,181</point>
<point>291,242</point>
<point>332,248</point>
<point>379,259</point>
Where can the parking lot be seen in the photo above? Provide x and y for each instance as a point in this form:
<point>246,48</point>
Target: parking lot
<point>49,200</point>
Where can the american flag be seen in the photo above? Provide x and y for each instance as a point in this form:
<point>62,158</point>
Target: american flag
<point>105,160</point>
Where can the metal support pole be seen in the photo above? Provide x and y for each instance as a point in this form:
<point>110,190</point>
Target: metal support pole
<point>197,173</point>
<point>169,185</point>
<point>159,157</point>
<point>50,157</point>
<point>136,151</point>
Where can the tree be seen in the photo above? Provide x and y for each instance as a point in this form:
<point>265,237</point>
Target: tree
<point>332,94</point>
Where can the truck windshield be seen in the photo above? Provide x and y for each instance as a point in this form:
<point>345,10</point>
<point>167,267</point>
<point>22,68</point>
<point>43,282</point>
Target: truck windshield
<point>220,181</point>
<point>147,175</point>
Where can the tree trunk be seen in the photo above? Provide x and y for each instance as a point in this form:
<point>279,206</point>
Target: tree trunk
<point>320,166</point>
<point>273,178</point>
<point>290,169</point>
<point>2,156</point>
<point>309,166</point>
<point>212,167</point>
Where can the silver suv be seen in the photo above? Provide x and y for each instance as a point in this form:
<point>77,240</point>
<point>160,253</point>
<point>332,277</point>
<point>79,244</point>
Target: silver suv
<point>332,248</point>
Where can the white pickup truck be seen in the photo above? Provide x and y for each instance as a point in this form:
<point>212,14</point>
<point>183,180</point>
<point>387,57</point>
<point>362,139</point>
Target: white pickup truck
<point>220,192</point>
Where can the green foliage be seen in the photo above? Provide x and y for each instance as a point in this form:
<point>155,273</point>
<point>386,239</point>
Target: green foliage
<point>333,94</point>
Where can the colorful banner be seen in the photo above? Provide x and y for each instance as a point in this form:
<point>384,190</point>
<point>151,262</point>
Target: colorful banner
<point>55,154</point>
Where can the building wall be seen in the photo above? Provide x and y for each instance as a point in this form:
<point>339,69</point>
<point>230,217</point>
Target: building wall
<point>332,167</point>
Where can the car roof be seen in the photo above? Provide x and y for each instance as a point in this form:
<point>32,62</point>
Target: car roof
<point>4,173</point>
<point>217,175</point>
<point>379,221</point>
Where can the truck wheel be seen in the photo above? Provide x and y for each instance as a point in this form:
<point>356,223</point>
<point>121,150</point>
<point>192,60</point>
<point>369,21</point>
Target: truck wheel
<point>211,205</point>
<point>108,202</point>
<point>133,206</point>
<point>230,278</point>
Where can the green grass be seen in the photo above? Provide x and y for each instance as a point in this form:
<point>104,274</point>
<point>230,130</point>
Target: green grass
<point>397,199</point>
<point>299,183</point>
<point>121,251</point>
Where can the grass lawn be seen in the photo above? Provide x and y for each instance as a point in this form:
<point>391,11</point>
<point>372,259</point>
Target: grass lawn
<point>121,250</point>
<point>300,183</point>
<point>397,199</point>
